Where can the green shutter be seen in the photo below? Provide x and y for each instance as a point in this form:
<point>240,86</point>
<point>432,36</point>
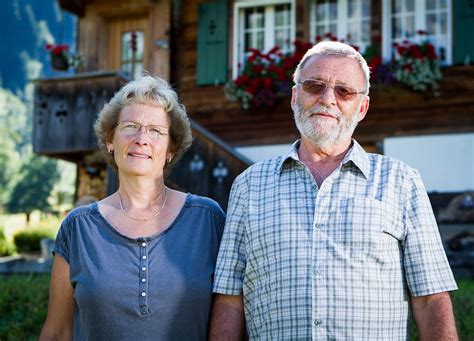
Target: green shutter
<point>463,45</point>
<point>212,43</point>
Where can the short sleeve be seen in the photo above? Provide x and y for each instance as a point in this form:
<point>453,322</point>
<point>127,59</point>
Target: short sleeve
<point>232,253</point>
<point>426,266</point>
<point>62,242</point>
<point>219,221</point>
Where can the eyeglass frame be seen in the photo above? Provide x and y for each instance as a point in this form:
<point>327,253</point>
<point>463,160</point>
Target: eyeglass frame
<point>355,92</point>
<point>140,126</point>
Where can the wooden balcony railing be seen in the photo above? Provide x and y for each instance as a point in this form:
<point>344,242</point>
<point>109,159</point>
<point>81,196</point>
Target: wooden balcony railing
<point>66,109</point>
<point>209,167</point>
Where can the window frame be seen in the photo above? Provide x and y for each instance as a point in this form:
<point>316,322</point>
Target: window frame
<point>133,61</point>
<point>342,22</point>
<point>269,32</point>
<point>420,24</point>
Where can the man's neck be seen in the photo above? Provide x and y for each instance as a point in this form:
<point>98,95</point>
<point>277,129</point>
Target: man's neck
<point>322,162</point>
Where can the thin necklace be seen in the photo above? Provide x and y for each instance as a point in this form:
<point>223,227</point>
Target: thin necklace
<point>146,219</point>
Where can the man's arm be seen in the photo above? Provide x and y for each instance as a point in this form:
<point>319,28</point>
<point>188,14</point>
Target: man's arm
<point>227,318</point>
<point>434,317</point>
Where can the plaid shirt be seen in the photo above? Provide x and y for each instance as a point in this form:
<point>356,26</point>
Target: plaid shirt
<point>335,262</point>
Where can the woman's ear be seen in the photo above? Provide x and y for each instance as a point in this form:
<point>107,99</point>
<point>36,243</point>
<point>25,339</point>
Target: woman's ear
<point>169,157</point>
<point>110,147</point>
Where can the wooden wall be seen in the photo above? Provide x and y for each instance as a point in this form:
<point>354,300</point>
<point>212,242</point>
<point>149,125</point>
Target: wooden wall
<point>393,110</point>
<point>398,111</point>
<point>102,19</point>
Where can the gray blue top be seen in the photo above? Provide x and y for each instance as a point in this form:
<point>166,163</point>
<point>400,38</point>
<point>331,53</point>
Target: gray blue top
<point>151,288</point>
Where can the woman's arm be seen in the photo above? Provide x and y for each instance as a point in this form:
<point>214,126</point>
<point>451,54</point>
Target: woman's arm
<point>58,325</point>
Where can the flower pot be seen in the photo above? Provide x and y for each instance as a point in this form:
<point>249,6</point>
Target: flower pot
<point>59,62</point>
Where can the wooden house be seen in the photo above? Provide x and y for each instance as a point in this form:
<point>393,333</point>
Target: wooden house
<point>199,45</point>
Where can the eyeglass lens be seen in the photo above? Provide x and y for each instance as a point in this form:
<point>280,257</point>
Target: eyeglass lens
<point>316,87</point>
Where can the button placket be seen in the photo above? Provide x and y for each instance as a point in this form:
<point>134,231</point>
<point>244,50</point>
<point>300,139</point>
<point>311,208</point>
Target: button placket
<point>143,277</point>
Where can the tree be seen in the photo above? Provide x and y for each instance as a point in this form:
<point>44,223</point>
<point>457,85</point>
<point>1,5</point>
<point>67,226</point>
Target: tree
<point>9,164</point>
<point>37,178</point>
<point>14,140</point>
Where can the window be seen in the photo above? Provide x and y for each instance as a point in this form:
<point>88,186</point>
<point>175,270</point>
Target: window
<point>404,18</point>
<point>261,25</point>
<point>348,20</point>
<point>131,53</point>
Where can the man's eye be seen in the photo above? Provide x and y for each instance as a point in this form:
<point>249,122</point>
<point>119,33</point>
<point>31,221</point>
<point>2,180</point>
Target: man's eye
<point>343,91</point>
<point>315,87</point>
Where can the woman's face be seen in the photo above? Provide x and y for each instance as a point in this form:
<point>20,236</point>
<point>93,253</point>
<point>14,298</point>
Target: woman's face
<point>141,143</point>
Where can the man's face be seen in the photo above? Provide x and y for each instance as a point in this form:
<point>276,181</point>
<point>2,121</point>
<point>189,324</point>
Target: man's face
<point>329,119</point>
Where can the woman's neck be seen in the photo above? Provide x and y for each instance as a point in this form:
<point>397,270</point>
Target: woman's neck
<point>140,192</point>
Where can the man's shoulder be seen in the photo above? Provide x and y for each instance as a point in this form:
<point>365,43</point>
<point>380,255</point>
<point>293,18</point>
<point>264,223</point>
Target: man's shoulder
<point>262,168</point>
<point>389,164</point>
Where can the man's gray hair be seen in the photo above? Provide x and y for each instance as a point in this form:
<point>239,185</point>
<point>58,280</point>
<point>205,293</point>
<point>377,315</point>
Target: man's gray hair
<point>335,48</point>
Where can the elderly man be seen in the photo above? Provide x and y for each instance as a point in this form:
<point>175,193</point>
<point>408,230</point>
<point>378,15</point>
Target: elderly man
<point>329,242</point>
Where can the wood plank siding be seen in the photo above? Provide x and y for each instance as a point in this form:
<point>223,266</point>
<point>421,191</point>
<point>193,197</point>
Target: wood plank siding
<point>103,23</point>
<point>66,109</point>
<point>393,111</point>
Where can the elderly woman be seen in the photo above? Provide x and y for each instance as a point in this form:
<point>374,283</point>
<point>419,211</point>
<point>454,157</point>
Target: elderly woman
<point>139,264</point>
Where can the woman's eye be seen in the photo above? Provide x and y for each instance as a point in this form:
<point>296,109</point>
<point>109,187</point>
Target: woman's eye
<point>155,131</point>
<point>130,126</point>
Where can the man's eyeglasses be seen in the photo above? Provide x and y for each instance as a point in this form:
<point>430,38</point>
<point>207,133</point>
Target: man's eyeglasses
<point>131,128</point>
<point>317,87</point>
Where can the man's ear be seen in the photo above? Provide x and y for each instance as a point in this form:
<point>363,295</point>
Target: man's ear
<point>294,95</point>
<point>364,107</point>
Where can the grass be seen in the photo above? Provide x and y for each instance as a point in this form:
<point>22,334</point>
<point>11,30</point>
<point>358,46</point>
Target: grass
<point>24,304</point>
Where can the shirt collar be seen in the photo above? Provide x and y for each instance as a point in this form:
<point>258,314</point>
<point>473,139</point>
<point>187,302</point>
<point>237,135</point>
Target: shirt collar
<point>356,155</point>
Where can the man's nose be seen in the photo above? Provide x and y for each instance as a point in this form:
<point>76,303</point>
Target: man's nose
<point>328,97</point>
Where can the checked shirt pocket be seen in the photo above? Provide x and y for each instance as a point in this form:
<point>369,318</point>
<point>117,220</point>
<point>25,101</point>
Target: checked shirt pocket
<point>360,226</point>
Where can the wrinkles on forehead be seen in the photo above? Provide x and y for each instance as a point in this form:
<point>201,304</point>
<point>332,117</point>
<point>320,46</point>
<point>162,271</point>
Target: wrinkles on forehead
<point>334,69</point>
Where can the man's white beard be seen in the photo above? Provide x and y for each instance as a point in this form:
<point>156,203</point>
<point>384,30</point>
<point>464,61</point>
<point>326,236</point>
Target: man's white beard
<point>316,129</point>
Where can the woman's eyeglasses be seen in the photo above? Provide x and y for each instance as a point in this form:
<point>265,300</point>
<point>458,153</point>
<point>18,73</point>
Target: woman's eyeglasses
<point>317,87</point>
<point>131,128</point>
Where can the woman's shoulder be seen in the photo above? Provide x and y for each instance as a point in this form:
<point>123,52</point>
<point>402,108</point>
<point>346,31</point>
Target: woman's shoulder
<point>81,212</point>
<point>197,201</point>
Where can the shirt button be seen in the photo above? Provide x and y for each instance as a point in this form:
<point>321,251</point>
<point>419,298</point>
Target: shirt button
<point>143,293</point>
<point>318,226</point>
<point>143,244</point>
<point>317,322</point>
<point>317,272</point>
<point>143,280</point>
<point>144,268</point>
<point>144,257</point>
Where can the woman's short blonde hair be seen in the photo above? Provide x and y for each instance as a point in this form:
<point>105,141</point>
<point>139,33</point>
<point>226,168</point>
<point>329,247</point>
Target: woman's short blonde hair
<point>150,91</point>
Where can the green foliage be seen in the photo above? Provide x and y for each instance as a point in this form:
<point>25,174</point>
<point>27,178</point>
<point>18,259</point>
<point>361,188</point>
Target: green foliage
<point>14,139</point>
<point>29,240</point>
<point>4,248</point>
<point>23,306</point>
<point>463,301</point>
<point>37,179</point>
<point>14,120</point>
